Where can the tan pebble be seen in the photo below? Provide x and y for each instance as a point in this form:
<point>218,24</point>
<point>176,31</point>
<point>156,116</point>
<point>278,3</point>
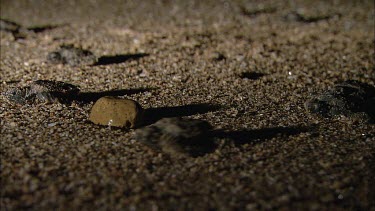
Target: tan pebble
<point>116,112</point>
<point>13,124</point>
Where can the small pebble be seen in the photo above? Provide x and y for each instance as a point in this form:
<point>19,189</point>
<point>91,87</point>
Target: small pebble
<point>70,55</point>
<point>52,124</point>
<point>116,112</point>
<point>13,124</point>
<point>215,56</point>
<point>177,136</point>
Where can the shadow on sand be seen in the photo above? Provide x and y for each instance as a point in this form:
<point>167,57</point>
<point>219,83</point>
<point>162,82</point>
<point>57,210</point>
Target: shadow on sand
<point>39,29</point>
<point>87,97</point>
<point>117,59</point>
<point>207,144</point>
<point>152,115</point>
<point>246,136</point>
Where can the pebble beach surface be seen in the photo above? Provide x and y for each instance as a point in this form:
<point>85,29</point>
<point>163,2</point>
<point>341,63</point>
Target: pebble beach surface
<point>246,105</point>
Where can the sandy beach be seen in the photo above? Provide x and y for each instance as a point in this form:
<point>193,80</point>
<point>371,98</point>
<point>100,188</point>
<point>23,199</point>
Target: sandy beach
<point>245,67</point>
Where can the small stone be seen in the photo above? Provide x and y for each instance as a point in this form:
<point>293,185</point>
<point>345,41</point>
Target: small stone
<point>43,91</point>
<point>116,112</point>
<point>177,136</point>
<point>70,55</point>
<point>52,124</point>
<point>215,56</point>
<point>348,99</point>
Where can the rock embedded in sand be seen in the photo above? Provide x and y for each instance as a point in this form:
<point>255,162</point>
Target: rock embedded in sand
<point>348,98</point>
<point>43,91</point>
<point>116,112</point>
<point>177,136</point>
<point>70,55</point>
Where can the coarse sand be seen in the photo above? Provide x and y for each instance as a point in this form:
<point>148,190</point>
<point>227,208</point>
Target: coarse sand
<point>245,67</point>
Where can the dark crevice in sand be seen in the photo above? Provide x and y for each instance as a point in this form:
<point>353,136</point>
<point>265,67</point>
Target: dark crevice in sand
<point>117,59</point>
<point>155,114</point>
<point>87,97</point>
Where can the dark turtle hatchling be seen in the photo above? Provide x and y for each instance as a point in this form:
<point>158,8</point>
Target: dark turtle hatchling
<point>43,91</point>
<point>70,55</point>
<point>177,136</point>
<point>346,99</point>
